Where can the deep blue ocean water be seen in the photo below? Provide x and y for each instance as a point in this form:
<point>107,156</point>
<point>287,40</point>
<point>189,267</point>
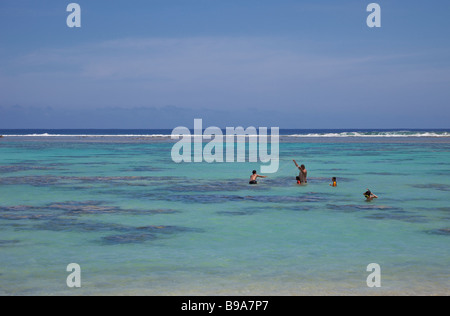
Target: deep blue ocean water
<point>138,223</point>
<point>285,132</point>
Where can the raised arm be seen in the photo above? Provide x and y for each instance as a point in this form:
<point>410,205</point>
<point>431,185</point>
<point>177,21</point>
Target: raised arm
<point>296,164</point>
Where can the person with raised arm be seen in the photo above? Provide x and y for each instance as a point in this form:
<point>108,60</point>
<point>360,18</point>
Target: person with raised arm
<point>303,176</point>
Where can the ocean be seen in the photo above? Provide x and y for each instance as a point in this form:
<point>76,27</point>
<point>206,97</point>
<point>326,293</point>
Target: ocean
<point>136,223</point>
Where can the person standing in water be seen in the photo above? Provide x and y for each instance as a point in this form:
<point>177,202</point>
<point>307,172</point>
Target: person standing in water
<point>333,182</point>
<point>370,196</point>
<point>303,176</point>
<point>254,177</point>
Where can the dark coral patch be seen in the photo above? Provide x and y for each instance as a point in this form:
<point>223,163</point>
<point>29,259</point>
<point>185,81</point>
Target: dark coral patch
<point>443,232</point>
<point>67,224</point>
<point>219,198</point>
<point>143,234</point>
<point>71,208</point>
<point>237,213</point>
<point>7,243</point>
<point>356,208</point>
<point>23,167</point>
<point>433,186</point>
<point>127,238</point>
<point>400,217</point>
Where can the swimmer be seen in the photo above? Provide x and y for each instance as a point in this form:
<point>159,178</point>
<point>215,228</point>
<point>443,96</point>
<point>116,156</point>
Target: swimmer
<point>334,182</point>
<point>370,196</point>
<point>302,177</point>
<point>255,176</point>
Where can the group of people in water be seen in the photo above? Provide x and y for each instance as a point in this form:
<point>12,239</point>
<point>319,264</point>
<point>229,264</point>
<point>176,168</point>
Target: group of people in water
<point>302,179</point>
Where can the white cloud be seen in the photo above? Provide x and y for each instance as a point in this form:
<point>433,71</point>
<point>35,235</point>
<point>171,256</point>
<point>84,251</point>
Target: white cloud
<point>207,72</point>
<point>187,58</point>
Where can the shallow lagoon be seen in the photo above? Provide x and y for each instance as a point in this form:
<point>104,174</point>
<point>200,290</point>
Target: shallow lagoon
<point>137,223</point>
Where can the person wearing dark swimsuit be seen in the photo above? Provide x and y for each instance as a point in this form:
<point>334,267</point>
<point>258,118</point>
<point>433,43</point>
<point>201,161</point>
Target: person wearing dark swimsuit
<point>255,176</point>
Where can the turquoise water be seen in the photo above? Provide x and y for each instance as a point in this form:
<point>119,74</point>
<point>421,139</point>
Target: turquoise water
<point>137,223</point>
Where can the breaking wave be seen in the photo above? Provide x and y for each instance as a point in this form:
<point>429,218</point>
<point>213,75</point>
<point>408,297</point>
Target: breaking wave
<point>283,133</point>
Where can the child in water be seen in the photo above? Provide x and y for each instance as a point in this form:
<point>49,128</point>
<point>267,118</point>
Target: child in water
<point>255,176</point>
<point>334,182</point>
<point>370,196</point>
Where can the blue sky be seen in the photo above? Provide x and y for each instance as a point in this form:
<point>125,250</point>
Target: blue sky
<point>162,63</point>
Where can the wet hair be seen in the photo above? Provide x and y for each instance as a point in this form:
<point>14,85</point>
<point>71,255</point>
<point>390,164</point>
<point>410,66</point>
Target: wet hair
<point>254,171</point>
<point>334,178</point>
<point>303,167</point>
